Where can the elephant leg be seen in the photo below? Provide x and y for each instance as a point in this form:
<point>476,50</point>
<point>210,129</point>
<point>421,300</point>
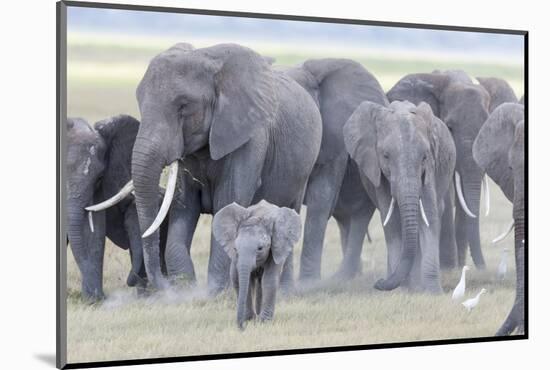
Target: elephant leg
<point>351,264</point>
<point>259,294</point>
<point>287,276</point>
<point>448,256</point>
<point>234,276</point>
<point>392,236</point>
<point>270,284</point>
<point>131,224</point>
<point>343,227</point>
<point>322,191</point>
<point>182,223</point>
<point>461,236</point>
<point>430,276</point>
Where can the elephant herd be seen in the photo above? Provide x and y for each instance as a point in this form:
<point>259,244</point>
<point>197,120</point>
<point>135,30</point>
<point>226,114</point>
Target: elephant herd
<point>250,142</point>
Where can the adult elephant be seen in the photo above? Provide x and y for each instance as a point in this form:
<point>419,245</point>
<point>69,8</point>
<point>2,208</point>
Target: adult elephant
<point>98,164</point>
<point>499,91</point>
<point>499,149</point>
<point>253,132</point>
<point>463,107</point>
<point>406,157</point>
<point>334,188</point>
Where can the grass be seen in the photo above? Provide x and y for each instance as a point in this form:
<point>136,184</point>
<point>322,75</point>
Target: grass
<point>102,81</point>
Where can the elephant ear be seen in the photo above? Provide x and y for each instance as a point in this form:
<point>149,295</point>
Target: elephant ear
<point>499,91</point>
<point>421,87</point>
<point>492,144</point>
<point>360,133</point>
<point>441,142</point>
<point>245,98</point>
<point>119,135</point>
<point>287,228</point>
<point>225,226</point>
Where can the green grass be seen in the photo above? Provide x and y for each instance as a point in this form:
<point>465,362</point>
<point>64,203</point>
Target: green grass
<point>102,81</point>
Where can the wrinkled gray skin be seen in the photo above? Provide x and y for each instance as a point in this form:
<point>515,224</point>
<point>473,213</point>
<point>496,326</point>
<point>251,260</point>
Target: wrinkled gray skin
<point>463,107</point>
<point>499,149</point>
<point>499,90</point>
<point>258,239</point>
<point>98,164</point>
<point>338,86</point>
<point>224,112</point>
<point>407,153</point>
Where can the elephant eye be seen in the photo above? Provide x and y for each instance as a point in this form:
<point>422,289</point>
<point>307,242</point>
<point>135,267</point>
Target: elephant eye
<point>386,155</point>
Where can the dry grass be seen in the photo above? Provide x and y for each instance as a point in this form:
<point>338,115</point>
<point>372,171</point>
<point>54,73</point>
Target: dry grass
<point>186,323</point>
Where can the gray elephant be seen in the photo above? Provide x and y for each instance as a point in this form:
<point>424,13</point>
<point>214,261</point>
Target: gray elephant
<point>98,164</point>
<point>463,107</point>
<point>252,132</point>
<point>406,157</point>
<point>499,91</point>
<point>499,149</point>
<point>258,239</point>
<point>338,86</point>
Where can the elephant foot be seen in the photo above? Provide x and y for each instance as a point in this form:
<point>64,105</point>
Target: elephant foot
<point>346,273</point>
<point>287,288</point>
<point>183,280</point>
<point>93,299</point>
<point>134,279</point>
<point>310,276</point>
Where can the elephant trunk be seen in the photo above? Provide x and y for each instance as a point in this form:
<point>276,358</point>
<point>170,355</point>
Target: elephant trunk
<point>516,316</point>
<point>147,165</point>
<point>472,195</point>
<point>87,251</point>
<point>244,271</point>
<point>408,202</point>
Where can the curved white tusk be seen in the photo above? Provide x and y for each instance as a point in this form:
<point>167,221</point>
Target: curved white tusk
<point>461,195</point>
<point>91,221</point>
<point>390,211</point>
<point>123,193</point>
<point>504,234</point>
<point>168,196</point>
<point>423,213</point>
<point>486,195</point>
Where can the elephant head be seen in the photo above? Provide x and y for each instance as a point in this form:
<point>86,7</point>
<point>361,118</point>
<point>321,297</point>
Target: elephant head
<point>251,236</point>
<point>98,162</point>
<point>398,147</point>
<point>499,90</point>
<point>463,107</point>
<point>499,149</point>
<point>194,99</point>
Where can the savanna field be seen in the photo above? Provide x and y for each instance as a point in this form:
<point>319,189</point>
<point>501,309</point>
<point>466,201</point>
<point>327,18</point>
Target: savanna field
<point>103,74</point>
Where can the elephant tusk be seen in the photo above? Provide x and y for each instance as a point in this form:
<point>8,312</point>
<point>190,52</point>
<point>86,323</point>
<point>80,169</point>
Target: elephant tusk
<point>169,195</point>
<point>424,218</point>
<point>461,195</point>
<point>486,195</point>
<point>91,221</point>
<point>390,211</point>
<point>504,234</point>
<point>123,193</point>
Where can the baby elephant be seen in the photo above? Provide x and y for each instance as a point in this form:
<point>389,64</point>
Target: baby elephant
<point>258,239</point>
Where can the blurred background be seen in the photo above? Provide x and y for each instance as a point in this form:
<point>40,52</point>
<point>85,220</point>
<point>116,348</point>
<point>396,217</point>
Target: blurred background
<point>109,50</point>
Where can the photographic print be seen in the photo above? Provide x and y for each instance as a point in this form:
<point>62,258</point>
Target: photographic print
<point>256,184</point>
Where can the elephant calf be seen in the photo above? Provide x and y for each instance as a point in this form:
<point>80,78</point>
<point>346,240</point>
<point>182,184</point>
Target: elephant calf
<point>258,239</point>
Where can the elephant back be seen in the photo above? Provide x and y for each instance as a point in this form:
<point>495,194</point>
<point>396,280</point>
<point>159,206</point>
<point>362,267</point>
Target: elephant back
<point>342,85</point>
